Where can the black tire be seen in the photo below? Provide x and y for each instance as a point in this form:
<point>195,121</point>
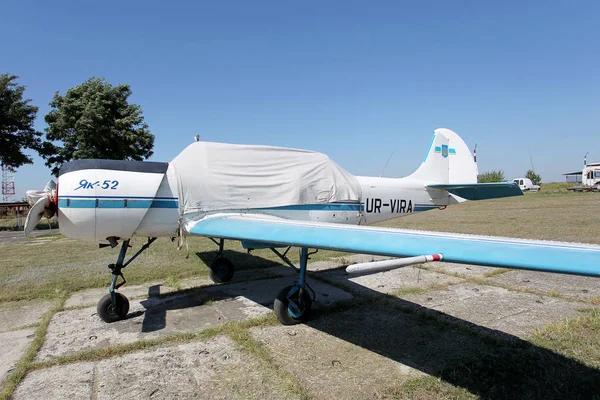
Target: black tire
<point>221,270</point>
<point>108,313</point>
<point>280,307</point>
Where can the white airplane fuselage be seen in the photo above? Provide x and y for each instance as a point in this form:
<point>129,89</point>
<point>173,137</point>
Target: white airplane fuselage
<point>102,199</point>
<point>95,204</point>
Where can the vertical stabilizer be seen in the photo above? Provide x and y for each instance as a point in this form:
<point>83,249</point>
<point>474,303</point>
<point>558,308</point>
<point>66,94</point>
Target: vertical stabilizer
<point>448,160</point>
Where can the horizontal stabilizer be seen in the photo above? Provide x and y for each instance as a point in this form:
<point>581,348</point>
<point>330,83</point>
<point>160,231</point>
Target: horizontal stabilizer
<point>480,191</point>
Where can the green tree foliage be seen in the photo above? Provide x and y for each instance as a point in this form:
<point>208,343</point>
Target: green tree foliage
<point>492,176</point>
<point>95,120</point>
<point>16,124</point>
<point>535,178</point>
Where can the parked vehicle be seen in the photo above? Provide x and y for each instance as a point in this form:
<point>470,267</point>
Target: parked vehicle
<point>526,184</point>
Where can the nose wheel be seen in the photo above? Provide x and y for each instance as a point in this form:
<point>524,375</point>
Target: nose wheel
<point>110,311</point>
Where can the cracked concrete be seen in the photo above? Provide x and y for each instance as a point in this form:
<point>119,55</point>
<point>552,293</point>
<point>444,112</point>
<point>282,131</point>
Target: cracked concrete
<point>79,329</point>
<point>351,352</point>
<point>213,369</point>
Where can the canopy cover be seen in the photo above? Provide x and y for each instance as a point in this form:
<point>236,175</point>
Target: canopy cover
<point>220,176</point>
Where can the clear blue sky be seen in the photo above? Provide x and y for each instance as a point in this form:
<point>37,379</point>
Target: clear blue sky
<point>355,80</point>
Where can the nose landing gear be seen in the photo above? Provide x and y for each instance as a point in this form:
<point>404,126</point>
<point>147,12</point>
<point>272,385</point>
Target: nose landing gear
<point>114,306</point>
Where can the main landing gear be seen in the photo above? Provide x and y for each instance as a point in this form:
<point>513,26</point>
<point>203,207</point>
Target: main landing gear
<point>293,304</point>
<point>221,268</point>
<point>114,306</point>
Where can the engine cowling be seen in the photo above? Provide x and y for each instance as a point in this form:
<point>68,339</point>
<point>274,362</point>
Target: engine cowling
<point>102,199</point>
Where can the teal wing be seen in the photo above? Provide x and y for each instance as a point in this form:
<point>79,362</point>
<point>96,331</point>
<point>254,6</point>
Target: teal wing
<point>570,258</point>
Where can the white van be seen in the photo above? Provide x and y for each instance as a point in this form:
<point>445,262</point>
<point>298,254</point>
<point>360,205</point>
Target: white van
<point>526,184</point>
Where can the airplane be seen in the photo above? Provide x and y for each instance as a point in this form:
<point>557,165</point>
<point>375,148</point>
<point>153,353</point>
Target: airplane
<point>276,198</point>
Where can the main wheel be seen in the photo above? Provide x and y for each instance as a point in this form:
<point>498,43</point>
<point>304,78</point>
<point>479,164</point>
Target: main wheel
<point>221,270</point>
<point>111,313</point>
<point>288,314</point>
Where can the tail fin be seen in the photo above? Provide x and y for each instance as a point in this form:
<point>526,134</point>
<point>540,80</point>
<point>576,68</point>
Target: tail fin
<point>448,160</point>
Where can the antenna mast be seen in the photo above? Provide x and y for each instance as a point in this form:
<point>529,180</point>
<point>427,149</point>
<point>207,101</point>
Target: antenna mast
<point>8,184</point>
<point>531,160</point>
<point>386,163</point>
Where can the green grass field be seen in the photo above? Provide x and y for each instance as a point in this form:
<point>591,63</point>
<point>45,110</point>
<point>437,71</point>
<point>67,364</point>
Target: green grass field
<point>53,267</point>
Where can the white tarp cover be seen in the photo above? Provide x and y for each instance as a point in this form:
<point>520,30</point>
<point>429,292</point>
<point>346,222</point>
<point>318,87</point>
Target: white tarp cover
<point>220,176</point>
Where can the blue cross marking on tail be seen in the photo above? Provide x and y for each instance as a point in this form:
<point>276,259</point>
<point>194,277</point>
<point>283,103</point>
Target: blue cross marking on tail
<point>444,150</point>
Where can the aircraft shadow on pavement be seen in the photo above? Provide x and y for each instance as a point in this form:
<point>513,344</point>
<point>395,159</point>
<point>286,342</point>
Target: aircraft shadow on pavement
<point>156,312</point>
<point>242,261</point>
<point>489,363</point>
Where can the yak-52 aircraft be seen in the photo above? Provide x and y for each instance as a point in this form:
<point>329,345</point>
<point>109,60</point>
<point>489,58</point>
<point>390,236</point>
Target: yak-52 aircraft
<point>272,197</point>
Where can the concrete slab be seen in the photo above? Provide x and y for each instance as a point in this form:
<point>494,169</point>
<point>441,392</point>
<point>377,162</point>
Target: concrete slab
<point>12,346</point>
<point>264,291</point>
<point>78,329</point>
<point>90,297</point>
<point>390,282</point>
<point>75,330</point>
<point>497,308</point>
<point>575,287</point>
<point>16,314</point>
<point>468,271</point>
<point>214,369</point>
<point>330,367</point>
<point>71,381</point>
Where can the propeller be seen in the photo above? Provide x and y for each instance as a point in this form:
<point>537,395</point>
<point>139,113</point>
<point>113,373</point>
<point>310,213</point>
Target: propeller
<point>43,202</point>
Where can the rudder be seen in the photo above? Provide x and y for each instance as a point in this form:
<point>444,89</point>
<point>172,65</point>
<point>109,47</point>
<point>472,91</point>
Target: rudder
<point>448,160</point>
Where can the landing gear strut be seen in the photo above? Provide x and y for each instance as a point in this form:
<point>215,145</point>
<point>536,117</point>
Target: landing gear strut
<point>294,303</point>
<point>221,268</point>
<point>114,306</point>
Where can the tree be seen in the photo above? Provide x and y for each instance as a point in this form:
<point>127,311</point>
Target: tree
<point>492,176</point>
<point>535,178</point>
<point>16,124</point>
<point>95,120</point>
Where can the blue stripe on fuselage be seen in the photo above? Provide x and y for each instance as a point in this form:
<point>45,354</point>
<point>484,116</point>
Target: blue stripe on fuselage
<point>116,203</point>
<point>141,202</point>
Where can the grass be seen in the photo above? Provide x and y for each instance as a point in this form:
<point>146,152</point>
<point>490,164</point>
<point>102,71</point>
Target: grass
<point>51,266</point>
<point>54,267</point>
<point>26,360</point>
<point>577,338</point>
<point>495,272</point>
<point>248,344</point>
<point>416,290</point>
<point>555,187</point>
<point>12,224</point>
<point>557,216</point>
<point>426,388</point>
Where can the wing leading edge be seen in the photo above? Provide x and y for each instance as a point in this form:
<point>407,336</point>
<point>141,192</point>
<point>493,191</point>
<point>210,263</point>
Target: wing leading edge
<point>569,258</point>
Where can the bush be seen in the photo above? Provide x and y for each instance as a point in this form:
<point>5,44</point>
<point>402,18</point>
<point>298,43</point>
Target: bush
<point>535,178</point>
<point>492,176</point>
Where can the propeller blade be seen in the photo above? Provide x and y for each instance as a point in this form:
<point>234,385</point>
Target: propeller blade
<point>36,213</point>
